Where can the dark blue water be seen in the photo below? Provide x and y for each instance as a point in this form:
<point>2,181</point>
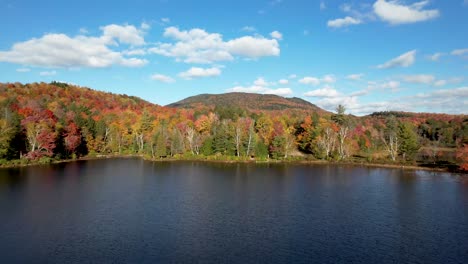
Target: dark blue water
<point>132,211</point>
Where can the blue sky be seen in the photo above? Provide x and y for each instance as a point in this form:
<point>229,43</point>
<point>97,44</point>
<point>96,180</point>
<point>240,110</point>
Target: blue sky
<point>373,55</point>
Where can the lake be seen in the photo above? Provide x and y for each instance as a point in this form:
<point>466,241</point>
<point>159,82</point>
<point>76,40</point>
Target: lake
<point>135,211</point>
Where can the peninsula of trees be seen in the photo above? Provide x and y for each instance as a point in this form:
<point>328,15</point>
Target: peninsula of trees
<point>41,122</point>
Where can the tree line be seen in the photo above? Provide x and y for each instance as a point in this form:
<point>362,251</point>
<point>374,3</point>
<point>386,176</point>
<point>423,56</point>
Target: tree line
<point>42,122</point>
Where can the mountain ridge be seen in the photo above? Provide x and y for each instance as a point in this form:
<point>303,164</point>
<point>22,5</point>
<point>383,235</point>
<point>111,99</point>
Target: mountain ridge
<point>248,101</point>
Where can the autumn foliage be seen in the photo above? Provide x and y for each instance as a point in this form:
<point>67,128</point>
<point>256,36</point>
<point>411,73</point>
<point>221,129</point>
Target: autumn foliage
<point>59,121</point>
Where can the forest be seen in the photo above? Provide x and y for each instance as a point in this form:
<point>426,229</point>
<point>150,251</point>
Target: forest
<point>47,122</point>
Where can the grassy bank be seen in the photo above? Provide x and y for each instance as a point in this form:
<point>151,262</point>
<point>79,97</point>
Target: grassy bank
<point>234,159</point>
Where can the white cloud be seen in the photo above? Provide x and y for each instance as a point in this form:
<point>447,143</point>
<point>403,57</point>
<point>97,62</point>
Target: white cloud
<point>439,83</point>
<point>436,56</point>
<point>283,81</point>
<point>355,77</point>
<point>405,60</point>
<point>198,46</point>
<point>276,35</point>
<point>459,52</point>
<point>162,78</point>
<point>323,6</point>
<point>23,70</point>
<point>292,76</point>
<point>247,89</point>
<point>261,82</point>
<point>310,80</point>
<point>396,13</point>
<point>261,90</point>
<point>452,101</point>
<point>196,72</point>
<point>446,101</point>
<point>127,34</point>
<point>430,80</point>
<point>279,91</point>
<point>345,7</point>
<point>329,78</point>
<point>392,85</point>
<point>135,52</point>
<point>249,29</point>
<point>83,31</point>
<point>60,50</point>
<point>145,26</point>
<point>326,91</point>
<point>261,86</point>
<point>343,22</point>
<point>166,20</point>
<point>48,73</point>
<point>133,62</point>
<point>420,78</point>
<point>253,47</point>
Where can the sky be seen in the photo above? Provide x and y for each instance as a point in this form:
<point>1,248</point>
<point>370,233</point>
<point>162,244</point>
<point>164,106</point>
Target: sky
<point>374,55</point>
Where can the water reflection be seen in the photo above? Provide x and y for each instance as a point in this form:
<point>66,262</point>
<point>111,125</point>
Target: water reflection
<point>129,210</point>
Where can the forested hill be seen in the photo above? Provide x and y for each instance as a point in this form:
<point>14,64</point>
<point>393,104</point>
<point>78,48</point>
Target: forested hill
<point>57,94</point>
<point>41,122</point>
<point>247,101</point>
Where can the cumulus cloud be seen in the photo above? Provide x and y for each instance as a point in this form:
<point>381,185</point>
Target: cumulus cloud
<point>405,60</point>
<point>355,77</point>
<point>329,78</point>
<point>249,29</point>
<point>60,50</point>
<point>392,85</point>
<point>440,83</point>
<point>343,22</point>
<point>445,100</point>
<point>394,12</point>
<point>323,6</point>
<point>253,47</point>
<point>135,52</point>
<point>310,80</point>
<point>126,34</point>
<point>48,73</point>
<point>261,82</point>
<point>428,79</point>
<point>145,26</point>
<point>440,101</point>
<point>196,72</point>
<point>162,78</point>
<point>326,91</point>
<point>198,46</point>
<point>420,78</point>
<point>261,90</point>
<point>459,52</point>
<point>283,81</point>
<point>261,86</point>
<point>276,35</point>
<point>435,57</point>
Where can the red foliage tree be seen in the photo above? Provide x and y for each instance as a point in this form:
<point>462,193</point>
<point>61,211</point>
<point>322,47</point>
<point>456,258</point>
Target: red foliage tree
<point>462,155</point>
<point>72,137</point>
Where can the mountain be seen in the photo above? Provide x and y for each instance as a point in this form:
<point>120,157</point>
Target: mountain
<point>249,101</point>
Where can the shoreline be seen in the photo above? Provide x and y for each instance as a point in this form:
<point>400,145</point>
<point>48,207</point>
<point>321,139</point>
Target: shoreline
<point>252,161</point>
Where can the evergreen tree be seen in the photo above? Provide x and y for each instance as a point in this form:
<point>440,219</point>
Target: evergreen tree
<point>261,150</point>
<point>409,144</point>
<point>161,148</point>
